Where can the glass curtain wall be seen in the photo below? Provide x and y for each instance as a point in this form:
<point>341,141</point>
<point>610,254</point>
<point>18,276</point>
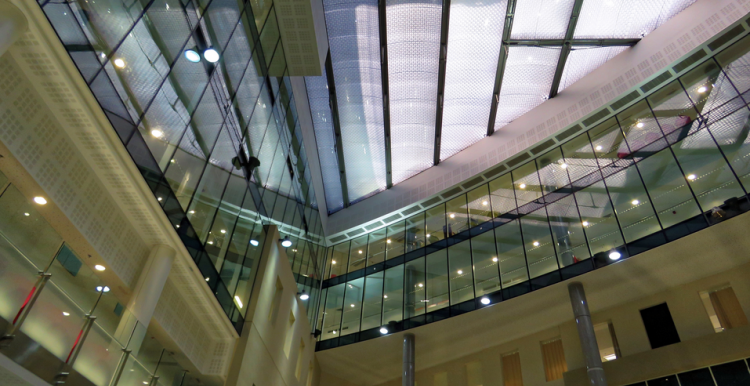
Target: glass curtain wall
<point>195,89</point>
<point>673,163</point>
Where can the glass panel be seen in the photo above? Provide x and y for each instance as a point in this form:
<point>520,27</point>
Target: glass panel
<point>567,232</point>
<point>339,259</point>
<point>486,277</point>
<point>376,247</point>
<point>609,145</point>
<point>479,207</point>
<point>460,272</point>
<point>394,241</point>
<point>502,197</point>
<point>99,356</point>
<point>414,273</point>
<point>540,252</point>
<point>415,234</point>
<point>705,168</point>
<point>598,218</point>
<point>226,217</point>
<point>553,173</point>
<point>510,254</point>
<point>352,306</point>
<point>643,135</point>
<point>732,135</point>
<point>674,111</point>
<point>373,302</point>
<point>458,218</point>
<point>527,185</point>
<point>711,92</point>
<point>667,186</point>
<point>393,297</point>
<point>735,61</point>
<point>435,227</point>
<point>632,204</point>
<point>332,318</point>
<point>579,155</point>
<point>357,253</point>
<point>206,200</point>
<point>437,280</point>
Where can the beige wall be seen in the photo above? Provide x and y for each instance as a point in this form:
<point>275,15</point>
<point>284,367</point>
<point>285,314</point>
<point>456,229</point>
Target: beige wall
<point>260,358</point>
<point>700,346</point>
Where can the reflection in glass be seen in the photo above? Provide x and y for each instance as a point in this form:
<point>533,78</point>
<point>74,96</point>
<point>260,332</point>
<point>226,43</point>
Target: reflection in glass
<point>553,172</point>
<point>332,317</point>
<point>598,218</point>
<point>732,135</point>
<point>415,234</point>
<point>567,232</point>
<point>376,246</point>
<point>339,259</point>
<point>437,280</point>
<point>711,92</point>
<point>352,306</point>
<point>460,272</point>
<point>486,277</point>
<point>414,288</point>
<point>510,254</point>
<point>527,186</point>
<point>435,227</point>
<point>579,156</point>
<point>457,215</point>
<point>668,188</point>
<point>393,297</point>
<point>502,197</point>
<point>674,112</point>
<point>357,253</point>
<point>540,253</point>
<point>394,242</point>
<point>632,204</point>
<point>373,301</point>
<point>480,208</point>
<point>642,132</point>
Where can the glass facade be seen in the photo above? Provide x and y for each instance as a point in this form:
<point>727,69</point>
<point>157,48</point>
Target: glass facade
<point>188,121</point>
<point>671,164</point>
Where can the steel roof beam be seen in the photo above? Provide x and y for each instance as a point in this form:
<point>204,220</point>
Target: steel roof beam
<point>336,128</point>
<point>501,65</point>
<point>573,42</point>
<point>386,101</point>
<point>565,47</point>
<point>444,23</point>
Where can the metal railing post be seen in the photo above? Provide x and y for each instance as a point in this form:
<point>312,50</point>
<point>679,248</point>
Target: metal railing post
<point>7,338</point>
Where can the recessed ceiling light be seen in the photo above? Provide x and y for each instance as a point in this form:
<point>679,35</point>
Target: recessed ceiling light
<point>485,300</point>
<point>99,267</point>
<point>334,332</point>
<point>104,289</point>
<point>66,313</point>
<point>484,203</point>
<point>211,55</point>
<point>207,279</point>
<point>158,198</point>
<point>388,241</point>
<point>333,262</point>
<point>254,242</point>
<point>192,56</point>
<point>420,285</point>
<point>352,305</point>
<point>460,272</point>
<point>157,133</point>
<point>585,223</point>
<point>26,214</point>
<point>286,242</point>
<point>691,177</point>
<point>385,296</point>
<point>522,186</point>
<point>239,302</point>
<point>635,202</point>
<point>383,330</point>
<point>452,215</point>
<point>428,235</point>
<point>702,89</point>
<point>360,251</point>
<point>536,243</point>
<point>177,226</point>
<point>223,231</point>
<point>119,63</point>
<point>639,125</point>
<point>211,242</point>
<point>614,255</point>
<point>494,259</point>
<point>564,165</point>
<point>40,200</point>
<point>598,148</point>
<point>304,296</point>
<point>192,212</point>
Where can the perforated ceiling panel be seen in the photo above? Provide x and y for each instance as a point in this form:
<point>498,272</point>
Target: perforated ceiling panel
<point>413,52</point>
<point>541,19</point>
<point>355,55</point>
<point>583,60</point>
<point>476,28</point>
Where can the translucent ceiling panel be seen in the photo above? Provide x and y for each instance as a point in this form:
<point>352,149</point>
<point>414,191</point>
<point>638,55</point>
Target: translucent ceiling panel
<point>541,19</point>
<point>355,55</point>
<point>413,58</point>
<point>622,19</point>
<point>474,38</point>
<point>526,82</point>
<point>317,94</point>
<point>583,60</point>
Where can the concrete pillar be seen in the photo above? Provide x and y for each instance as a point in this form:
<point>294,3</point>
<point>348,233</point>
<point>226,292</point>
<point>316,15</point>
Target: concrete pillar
<point>408,375</point>
<point>146,294</point>
<point>13,24</point>
<point>586,334</point>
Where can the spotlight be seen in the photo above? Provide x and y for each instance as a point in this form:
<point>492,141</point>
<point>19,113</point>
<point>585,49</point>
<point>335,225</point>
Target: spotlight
<point>40,200</point>
<point>383,330</point>
<point>66,313</point>
<point>494,259</point>
<point>484,203</point>
<point>303,295</point>
<point>702,89</point>
<point>536,243</point>
<point>598,148</point>
<point>452,215</point>
<point>639,125</point>
<point>585,223</point>
<point>285,242</point>
<point>238,300</point>
<point>614,255</point>
<point>192,56</point>
<point>691,177</point>
<point>564,165</point>
<point>254,242</point>
<point>119,63</point>
<point>485,300</point>
<point>99,267</point>
<point>211,55</point>
<point>157,133</point>
<point>388,241</point>
<point>635,202</point>
<point>522,186</point>
<point>104,289</point>
<point>460,272</point>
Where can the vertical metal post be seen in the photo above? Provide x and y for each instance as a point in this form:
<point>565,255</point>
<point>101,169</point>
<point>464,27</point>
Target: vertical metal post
<point>408,374</point>
<point>6,339</point>
<point>120,367</point>
<point>70,361</point>
<point>586,334</point>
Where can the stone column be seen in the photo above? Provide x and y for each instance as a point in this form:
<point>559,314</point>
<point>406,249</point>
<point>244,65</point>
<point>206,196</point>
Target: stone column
<point>408,375</point>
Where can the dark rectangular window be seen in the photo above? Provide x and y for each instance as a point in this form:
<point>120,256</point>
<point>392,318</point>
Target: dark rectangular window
<point>659,326</point>
<point>670,380</point>
<point>731,374</point>
<point>700,377</point>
